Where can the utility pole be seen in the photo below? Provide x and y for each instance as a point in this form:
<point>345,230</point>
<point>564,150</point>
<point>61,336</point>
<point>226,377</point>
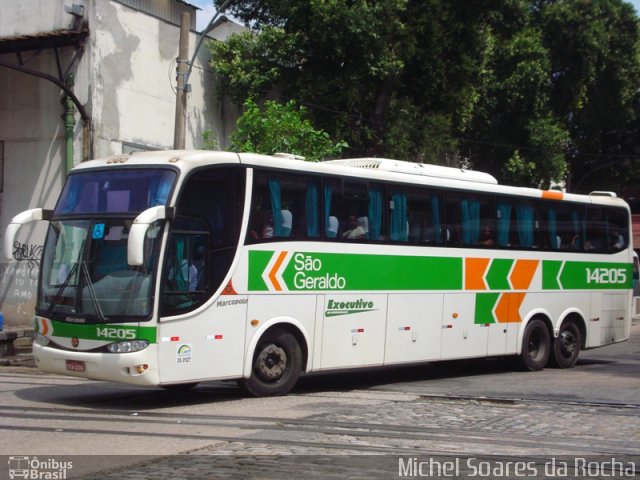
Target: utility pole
<point>184,71</point>
<point>181,93</point>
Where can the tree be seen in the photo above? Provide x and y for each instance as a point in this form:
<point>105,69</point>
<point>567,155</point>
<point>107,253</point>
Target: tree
<point>528,90</point>
<point>594,49</point>
<point>281,128</point>
<point>364,68</point>
<point>514,118</point>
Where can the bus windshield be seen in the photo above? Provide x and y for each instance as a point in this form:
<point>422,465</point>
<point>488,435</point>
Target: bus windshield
<point>85,275</point>
<point>115,191</point>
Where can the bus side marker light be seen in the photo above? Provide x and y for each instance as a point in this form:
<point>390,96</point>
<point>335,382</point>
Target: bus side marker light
<point>140,369</point>
<point>255,323</point>
<point>454,314</point>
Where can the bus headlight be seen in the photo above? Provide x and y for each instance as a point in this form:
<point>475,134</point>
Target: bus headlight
<point>41,340</point>
<point>128,346</point>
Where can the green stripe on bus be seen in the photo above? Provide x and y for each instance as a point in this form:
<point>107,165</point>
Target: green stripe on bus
<point>105,332</point>
<point>550,272</point>
<point>485,303</point>
<point>313,271</point>
<point>497,276</point>
<point>557,275</point>
<point>258,261</point>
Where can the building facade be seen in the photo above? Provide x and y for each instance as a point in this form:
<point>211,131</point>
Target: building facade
<point>84,79</point>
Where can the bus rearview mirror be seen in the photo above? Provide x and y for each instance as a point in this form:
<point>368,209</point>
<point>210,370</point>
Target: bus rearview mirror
<point>138,232</point>
<point>17,222</point>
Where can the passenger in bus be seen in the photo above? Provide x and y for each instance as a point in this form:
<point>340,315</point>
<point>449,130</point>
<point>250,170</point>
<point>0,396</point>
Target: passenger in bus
<point>486,236</point>
<point>267,230</point>
<point>186,273</point>
<point>616,241</point>
<point>263,226</point>
<point>332,227</point>
<point>354,231</point>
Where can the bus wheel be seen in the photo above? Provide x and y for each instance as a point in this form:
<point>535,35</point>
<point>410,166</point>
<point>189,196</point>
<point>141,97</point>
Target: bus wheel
<point>536,345</point>
<point>277,364</point>
<point>566,347</point>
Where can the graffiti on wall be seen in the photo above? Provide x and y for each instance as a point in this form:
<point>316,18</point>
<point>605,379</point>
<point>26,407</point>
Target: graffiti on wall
<point>19,279</point>
<point>30,253</point>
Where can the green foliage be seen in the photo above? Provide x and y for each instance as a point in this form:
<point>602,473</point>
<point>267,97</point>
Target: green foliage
<point>518,171</point>
<point>209,141</point>
<point>281,128</point>
<point>528,90</point>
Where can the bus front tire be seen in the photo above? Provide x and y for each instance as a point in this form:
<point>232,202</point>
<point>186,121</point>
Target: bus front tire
<point>566,347</point>
<point>536,345</point>
<point>277,364</point>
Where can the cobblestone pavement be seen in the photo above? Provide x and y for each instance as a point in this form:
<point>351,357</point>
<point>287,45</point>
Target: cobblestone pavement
<point>351,433</point>
<point>361,437</point>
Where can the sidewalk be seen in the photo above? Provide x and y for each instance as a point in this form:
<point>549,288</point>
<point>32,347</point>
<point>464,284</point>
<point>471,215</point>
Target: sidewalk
<point>15,347</point>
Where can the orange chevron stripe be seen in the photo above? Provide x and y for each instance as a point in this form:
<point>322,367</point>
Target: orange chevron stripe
<point>474,271</point>
<point>45,327</point>
<point>508,307</point>
<point>274,270</point>
<point>523,273</point>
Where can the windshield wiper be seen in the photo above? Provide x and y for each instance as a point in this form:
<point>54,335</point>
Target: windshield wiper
<point>55,299</point>
<point>92,292</point>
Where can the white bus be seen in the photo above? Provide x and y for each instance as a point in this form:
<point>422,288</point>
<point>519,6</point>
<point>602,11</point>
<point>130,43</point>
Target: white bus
<point>173,268</point>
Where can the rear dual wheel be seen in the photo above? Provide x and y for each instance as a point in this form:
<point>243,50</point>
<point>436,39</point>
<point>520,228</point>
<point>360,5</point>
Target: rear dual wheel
<point>566,346</point>
<point>536,345</point>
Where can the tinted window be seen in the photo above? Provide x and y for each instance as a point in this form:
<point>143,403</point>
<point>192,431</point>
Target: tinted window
<point>115,191</point>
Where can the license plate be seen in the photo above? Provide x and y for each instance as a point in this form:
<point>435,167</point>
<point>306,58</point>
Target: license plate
<point>75,366</point>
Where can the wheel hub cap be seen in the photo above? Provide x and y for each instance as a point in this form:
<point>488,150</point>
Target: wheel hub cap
<point>567,343</point>
<point>272,362</point>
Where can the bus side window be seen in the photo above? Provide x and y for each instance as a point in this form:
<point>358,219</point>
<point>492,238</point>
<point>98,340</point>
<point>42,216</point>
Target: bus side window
<point>471,220</point>
<point>617,222</point>
<point>284,207</point>
<point>414,216</point>
<point>596,228</point>
<point>516,224</point>
<point>353,208</point>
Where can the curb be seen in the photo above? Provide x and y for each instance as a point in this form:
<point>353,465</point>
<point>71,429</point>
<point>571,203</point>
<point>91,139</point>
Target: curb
<point>15,347</point>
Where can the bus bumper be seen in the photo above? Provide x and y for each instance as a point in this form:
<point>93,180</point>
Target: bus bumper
<point>136,368</point>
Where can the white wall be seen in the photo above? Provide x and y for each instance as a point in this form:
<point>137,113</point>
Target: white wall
<point>28,17</point>
<point>134,81</point>
<point>125,79</point>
